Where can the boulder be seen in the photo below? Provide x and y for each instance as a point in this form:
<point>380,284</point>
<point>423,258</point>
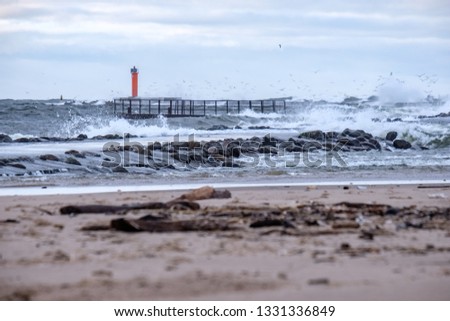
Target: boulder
<point>5,138</point>
<point>268,150</point>
<point>72,161</point>
<point>314,134</point>
<point>391,136</point>
<point>74,153</point>
<point>49,157</point>
<point>268,140</point>
<point>17,165</point>
<point>401,144</point>
<point>218,127</point>
<point>82,137</point>
<point>119,169</point>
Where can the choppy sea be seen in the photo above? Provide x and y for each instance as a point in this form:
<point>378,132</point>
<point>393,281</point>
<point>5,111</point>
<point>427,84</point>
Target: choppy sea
<point>424,123</point>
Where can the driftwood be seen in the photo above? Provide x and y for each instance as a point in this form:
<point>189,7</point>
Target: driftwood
<point>184,202</point>
<point>184,214</point>
<point>95,209</point>
<point>139,225</point>
<point>204,193</point>
<point>272,222</point>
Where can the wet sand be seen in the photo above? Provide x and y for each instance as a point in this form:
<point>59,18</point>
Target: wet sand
<point>46,256</point>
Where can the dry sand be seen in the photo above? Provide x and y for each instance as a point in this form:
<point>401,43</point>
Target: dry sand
<point>45,255</point>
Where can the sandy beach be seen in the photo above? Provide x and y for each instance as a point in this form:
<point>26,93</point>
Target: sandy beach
<point>355,251</point>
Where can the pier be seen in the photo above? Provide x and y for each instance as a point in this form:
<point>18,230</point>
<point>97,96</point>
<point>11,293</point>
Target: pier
<point>141,108</point>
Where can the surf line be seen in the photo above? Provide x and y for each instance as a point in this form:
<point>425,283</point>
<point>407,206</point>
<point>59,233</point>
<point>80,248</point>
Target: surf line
<point>69,190</point>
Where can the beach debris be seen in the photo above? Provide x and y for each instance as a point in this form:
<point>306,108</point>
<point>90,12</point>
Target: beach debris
<point>272,222</point>
<point>9,221</point>
<point>183,214</point>
<point>205,192</point>
<point>139,225</point>
<point>95,209</point>
<point>184,202</point>
<point>434,186</point>
<point>319,281</point>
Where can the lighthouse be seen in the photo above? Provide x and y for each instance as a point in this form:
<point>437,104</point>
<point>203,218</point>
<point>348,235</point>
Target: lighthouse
<point>134,81</point>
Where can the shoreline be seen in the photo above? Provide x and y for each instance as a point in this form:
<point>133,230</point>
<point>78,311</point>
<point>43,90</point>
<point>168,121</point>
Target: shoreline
<point>67,190</point>
<point>48,256</point>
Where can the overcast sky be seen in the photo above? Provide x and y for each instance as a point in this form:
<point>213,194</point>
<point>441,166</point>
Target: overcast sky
<point>224,49</point>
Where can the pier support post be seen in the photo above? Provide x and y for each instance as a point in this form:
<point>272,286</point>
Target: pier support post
<point>239,106</point>
<point>227,106</point>
<point>215,106</point>
<point>273,106</point>
<point>262,106</point>
<point>159,106</point>
<point>204,108</point>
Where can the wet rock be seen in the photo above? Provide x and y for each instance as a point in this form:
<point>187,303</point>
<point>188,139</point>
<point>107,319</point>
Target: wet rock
<point>315,134</point>
<point>17,165</point>
<point>72,161</point>
<point>154,146</point>
<point>249,147</point>
<point>22,140</point>
<point>218,127</point>
<point>268,150</point>
<point>391,136</point>
<point>230,163</point>
<point>311,146</point>
<point>375,143</point>
<point>355,133</point>
<point>182,156</point>
<point>258,127</point>
<point>332,135</point>
<point>74,153</point>
<point>214,148</point>
<point>108,137</point>
<point>49,157</point>
<point>233,149</point>
<point>268,140</point>
<point>109,164</point>
<point>119,169</point>
<point>401,144</point>
<point>5,138</point>
<point>81,137</point>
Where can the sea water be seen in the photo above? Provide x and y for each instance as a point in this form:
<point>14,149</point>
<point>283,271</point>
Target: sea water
<point>58,120</point>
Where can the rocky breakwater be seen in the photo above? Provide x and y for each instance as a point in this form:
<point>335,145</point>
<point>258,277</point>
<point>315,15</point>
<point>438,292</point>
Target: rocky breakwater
<point>122,155</point>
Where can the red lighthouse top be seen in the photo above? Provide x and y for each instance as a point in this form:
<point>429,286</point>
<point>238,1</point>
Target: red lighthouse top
<point>134,81</point>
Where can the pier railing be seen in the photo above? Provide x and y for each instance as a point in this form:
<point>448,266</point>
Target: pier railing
<point>138,108</point>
